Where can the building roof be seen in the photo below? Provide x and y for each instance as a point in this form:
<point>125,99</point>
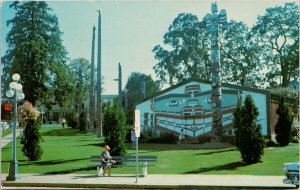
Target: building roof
<point>207,82</point>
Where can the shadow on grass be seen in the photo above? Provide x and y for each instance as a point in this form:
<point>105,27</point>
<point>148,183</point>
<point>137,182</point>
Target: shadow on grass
<point>229,166</point>
<point>215,152</point>
<point>63,132</point>
<point>88,168</point>
<point>99,144</point>
<point>51,162</point>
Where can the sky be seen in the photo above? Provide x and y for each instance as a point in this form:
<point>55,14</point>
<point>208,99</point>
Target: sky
<point>130,29</point>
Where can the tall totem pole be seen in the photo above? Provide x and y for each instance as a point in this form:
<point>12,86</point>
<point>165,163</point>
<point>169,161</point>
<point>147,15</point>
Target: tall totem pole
<point>212,25</point>
<point>99,98</point>
<point>92,85</point>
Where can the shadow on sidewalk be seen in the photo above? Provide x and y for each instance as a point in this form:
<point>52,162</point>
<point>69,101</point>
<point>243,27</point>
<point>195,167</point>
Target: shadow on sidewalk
<point>229,166</point>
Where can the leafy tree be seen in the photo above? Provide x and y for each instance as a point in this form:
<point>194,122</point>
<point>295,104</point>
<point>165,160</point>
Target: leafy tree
<point>35,50</point>
<point>278,34</point>
<point>83,122</point>
<point>114,129</point>
<point>134,91</point>
<point>31,140</point>
<point>250,140</point>
<point>284,124</point>
<point>72,120</point>
<point>185,54</point>
<point>240,56</point>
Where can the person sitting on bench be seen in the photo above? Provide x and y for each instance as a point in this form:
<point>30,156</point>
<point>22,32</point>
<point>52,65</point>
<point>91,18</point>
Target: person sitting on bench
<point>106,160</point>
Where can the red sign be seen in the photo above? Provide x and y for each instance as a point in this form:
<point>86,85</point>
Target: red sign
<point>7,107</point>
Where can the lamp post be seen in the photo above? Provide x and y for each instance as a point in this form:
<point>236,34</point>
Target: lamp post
<point>14,92</point>
<point>42,112</point>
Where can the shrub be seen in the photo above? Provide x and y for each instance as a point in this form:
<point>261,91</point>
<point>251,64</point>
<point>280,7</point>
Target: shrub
<point>164,138</point>
<point>237,122</point>
<point>114,126</point>
<point>72,120</point>
<point>250,139</point>
<point>31,140</point>
<point>230,139</point>
<point>270,143</point>
<point>284,124</point>
<point>203,139</point>
<point>83,122</point>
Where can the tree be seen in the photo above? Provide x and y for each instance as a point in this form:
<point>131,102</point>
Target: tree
<point>250,140</point>
<point>240,56</point>
<point>134,91</point>
<point>83,122</point>
<point>237,122</point>
<point>278,34</point>
<point>114,129</point>
<point>284,124</point>
<point>186,54</point>
<point>35,50</point>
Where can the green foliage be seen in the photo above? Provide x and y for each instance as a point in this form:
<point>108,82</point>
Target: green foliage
<point>278,35</point>
<point>284,124</point>
<point>250,140</point>
<point>114,129</point>
<point>35,50</point>
<point>237,122</point>
<point>31,140</point>
<point>134,92</point>
<point>72,120</point>
<point>240,56</point>
<point>164,138</point>
<point>203,139</point>
<point>188,56</point>
<point>83,123</point>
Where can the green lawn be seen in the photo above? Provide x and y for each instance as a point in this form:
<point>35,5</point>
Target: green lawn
<point>6,132</point>
<point>68,151</point>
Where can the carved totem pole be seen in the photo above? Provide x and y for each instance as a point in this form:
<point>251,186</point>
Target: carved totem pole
<point>212,25</point>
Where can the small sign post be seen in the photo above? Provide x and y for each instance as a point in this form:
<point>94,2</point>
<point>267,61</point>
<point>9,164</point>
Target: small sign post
<point>137,129</point>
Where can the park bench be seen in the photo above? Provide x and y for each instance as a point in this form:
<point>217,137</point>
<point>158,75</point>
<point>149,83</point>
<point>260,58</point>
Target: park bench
<point>129,161</point>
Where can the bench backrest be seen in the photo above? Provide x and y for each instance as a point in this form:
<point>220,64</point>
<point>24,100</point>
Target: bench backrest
<point>127,158</point>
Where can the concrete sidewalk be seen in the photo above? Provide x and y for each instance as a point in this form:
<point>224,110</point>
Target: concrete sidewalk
<point>152,181</point>
<point>7,139</point>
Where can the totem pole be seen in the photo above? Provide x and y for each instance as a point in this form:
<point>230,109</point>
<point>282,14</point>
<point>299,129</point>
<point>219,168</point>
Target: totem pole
<point>212,25</point>
<point>92,85</point>
<point>98,88</point>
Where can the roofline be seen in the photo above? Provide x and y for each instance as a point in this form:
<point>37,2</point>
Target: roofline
<point>207,82</point>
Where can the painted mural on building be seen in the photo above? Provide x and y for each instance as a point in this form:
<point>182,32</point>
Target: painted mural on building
<point>187,110</point>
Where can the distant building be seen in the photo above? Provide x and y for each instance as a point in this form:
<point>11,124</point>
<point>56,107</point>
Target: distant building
<point>187,108</point>
<point>294,84</point>
<point>108,98</point>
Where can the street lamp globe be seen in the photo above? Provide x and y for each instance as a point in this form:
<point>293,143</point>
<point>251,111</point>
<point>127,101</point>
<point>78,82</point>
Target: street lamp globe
<point>16,77</point>
<point>13,85</point>
<point>21,96</point>
<point>19,86</point>
<point>9,93</point>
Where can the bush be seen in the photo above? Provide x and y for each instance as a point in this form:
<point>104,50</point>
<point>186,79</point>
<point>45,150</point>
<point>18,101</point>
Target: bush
<point>203,139</point>
<point>115,129</point>
<point>284,124</point>
<point>72,120</point>
<point>230,139</point>
<point>83,122</point>
<point>270,143</point>
<point>147,133</point>
<point>31,140</point>
<point>237,116</point>
<point>250,140</point>
<point>164,138</point>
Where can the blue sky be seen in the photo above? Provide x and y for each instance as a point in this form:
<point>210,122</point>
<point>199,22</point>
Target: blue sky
<point>131,29</point>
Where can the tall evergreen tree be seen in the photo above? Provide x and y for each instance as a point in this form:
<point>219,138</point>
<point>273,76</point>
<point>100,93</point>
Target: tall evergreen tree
<point>35,51</point>
<point>250,139</point>
<point>237,122</point>
<point>31,140</point>
<point>284,124</point>
<point>114,129</point>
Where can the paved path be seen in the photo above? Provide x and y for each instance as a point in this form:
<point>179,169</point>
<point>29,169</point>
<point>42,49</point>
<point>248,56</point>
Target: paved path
<point>158,181</point>
<point>8,138</point>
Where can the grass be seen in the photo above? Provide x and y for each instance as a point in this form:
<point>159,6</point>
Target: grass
<point>68,151</point>
<point>6,132</point>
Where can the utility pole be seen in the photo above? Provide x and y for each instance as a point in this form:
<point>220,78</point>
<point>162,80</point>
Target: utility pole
<point>212,24</point>
<point>143,88</point>
<point>92,84</point>
<point>99,91</point>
